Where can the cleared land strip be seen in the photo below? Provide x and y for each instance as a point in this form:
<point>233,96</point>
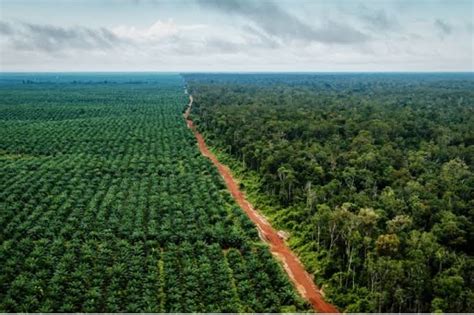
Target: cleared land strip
<point>294,268</point>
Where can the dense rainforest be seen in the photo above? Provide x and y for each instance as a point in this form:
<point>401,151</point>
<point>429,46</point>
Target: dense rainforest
<point>107,205</point>
<point>371,175</point>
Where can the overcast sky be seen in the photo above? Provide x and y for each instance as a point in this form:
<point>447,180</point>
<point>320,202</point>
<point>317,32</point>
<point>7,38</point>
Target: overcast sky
<point>236,35</point>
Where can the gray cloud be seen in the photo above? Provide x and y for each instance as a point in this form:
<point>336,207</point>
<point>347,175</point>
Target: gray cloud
<point>250,43</point>
<point>5,28</point>
<point>378,19</point>
<point>261,39</point>
<point>222,46</point>
<point>443,27</point>
<point>334,32</point>
<point>28,36</point>
<point>274,21</point>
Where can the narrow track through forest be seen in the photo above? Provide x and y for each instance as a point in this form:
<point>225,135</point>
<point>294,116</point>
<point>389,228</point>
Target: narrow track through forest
<point>292,265</point>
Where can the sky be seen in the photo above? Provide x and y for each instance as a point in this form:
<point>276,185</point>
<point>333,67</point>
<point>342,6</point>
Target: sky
<point>237,35</point>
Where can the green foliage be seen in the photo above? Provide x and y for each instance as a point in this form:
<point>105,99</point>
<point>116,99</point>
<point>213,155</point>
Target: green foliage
<point>108,206</point>
<point>372,175</point>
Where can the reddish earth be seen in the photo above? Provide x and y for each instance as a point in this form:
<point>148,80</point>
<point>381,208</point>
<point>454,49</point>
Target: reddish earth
<point>300,278</point>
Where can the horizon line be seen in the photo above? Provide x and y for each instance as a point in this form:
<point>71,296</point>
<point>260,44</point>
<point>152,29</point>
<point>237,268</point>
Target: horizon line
<point>233,72</point>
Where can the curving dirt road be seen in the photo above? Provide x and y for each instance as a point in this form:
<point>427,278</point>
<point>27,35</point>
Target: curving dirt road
<point>298,275</point>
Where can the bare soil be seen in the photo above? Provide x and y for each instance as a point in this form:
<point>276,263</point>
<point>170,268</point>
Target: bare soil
<point>292,265</point>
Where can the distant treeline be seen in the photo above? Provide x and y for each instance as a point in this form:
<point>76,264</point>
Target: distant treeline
<point>83,82</point>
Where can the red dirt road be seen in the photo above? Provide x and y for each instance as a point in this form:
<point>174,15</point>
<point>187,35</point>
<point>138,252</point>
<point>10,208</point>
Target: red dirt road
<point>298,275</point>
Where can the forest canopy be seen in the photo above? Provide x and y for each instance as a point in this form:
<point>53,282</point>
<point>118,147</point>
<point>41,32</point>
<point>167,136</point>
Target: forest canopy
<point>372,175</point>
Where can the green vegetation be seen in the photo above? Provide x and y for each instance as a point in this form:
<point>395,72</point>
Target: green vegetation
<point>108,206</point>
<point>372,175</point>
